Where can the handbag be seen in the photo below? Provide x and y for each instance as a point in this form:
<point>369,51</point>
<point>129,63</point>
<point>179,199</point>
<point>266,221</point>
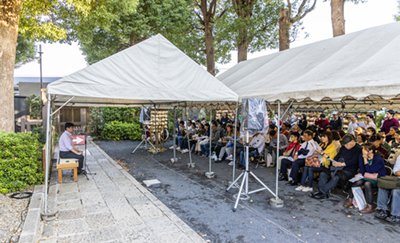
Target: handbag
<point>389,182</point>
<point>371,176</point>
<point>314,160</point>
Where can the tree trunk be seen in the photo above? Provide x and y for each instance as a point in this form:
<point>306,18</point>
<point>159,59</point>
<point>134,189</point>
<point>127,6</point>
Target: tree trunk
<point>210,51</point>
<point>9,18</point>
<point>284,25</point>
<point>242,45</point>
<point>337,16</point>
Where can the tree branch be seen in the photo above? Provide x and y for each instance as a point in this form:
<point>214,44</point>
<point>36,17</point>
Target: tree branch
<point>308,10</point>
<point>289,7</point>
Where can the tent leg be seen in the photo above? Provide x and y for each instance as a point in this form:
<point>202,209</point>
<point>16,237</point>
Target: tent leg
<point>46,215</point>
<point>277,202</point>
<point>174,137</point>
<point>234,143</point>
<point>210,174</point>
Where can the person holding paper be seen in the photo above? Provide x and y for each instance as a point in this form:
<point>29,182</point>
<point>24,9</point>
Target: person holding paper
<point>350,153</point>
<point>371,165</point>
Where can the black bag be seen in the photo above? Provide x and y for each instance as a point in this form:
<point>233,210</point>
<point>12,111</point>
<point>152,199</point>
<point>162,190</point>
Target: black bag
<point>343,180</point>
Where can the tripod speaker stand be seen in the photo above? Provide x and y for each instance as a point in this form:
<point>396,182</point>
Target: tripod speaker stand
<point>253,119</point>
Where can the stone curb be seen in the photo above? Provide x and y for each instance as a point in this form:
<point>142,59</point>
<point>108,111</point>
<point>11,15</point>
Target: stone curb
<point>189,232</point>
<point>32,224</point>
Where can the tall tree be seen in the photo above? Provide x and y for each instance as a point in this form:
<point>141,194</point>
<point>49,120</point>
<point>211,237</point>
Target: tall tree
<point>27,20</point>
<point>286,20</point>
<point>210,15</point>
<point>397,16</point>
<point>9,18</point>
<point>256,25</point>
<point>337,16</point>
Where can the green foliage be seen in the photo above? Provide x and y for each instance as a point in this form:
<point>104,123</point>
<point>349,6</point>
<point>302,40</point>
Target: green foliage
<point>122,114</point>
<point>39,134</point>
<point>171,122</point>
<point>117,130</point>
<point>397,16</point>
<point>25,51</point>
<point>34,106</point>
<point>257,23</point>
<point>20,161</point>
<point>112,119</point>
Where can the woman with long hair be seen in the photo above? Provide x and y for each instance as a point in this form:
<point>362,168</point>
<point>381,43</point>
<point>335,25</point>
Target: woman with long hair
<point>371,166</point>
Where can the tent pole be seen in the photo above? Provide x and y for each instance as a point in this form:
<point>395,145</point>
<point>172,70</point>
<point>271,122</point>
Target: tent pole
<point>210,174</point>
<point>234,143</point>
<point>211,130</point>
<point>277,148</point>
<point>174,137</point>
<point>48,146</point>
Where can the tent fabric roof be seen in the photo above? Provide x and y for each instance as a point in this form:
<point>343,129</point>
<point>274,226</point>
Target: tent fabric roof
<point>151,72</point>
<point>360,66</point>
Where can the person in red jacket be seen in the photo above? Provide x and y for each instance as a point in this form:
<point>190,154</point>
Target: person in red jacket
<point>322,123</point>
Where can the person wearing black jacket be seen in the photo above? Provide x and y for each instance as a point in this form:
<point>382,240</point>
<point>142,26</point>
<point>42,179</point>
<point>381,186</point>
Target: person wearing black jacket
<point>224,120</point>
<point>349,153</point>
<point>303,123</point>
<point>336,122</point>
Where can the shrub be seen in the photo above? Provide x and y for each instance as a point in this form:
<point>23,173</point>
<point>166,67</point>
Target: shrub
<point>122,131</point>
<point>39,134</point>
<point>20,161</point>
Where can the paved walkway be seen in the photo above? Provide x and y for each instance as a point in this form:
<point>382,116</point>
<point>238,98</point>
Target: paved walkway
<point>109,207</point>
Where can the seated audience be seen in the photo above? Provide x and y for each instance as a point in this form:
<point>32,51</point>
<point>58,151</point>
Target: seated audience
<point>294,146</point>
<point>283,144</point>
<point>336,140</point>
<point>361,139</point>
<point>391,216</point>
<point>390,135</point>
<point>395,151</point>
<point>285,130</point>
<point>322,123</point>
<point>225,119</point>
<point>389,122</point>
<point>370,131</point>
<point>256,147</point>
<point>342,133</point>
<point>369,122</point>
<point>349,153</point>
<point>203,139</point>
<point>205,148</point>
<point>299,158</point>
<point>329,128</point>
<point>336,122</point>
<point>303,123</point>
<point>328,151</point>
<point>377,141</point>
<point>227,144</point>
<point>369,162</point>
<point>353,125</point>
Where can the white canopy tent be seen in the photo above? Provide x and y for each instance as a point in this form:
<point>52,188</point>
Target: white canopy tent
<point>151,73</point>
<point>358,70</point>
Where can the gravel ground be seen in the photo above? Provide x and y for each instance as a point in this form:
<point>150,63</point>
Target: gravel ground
<point>11,211</point>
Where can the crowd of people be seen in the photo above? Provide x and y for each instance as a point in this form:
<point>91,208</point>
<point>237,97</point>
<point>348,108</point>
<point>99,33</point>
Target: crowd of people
<point>323,152</point>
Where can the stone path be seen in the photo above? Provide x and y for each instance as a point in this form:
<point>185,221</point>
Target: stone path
<point>109,207</point>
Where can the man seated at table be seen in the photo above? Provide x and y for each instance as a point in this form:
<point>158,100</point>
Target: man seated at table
<point>67,148</point>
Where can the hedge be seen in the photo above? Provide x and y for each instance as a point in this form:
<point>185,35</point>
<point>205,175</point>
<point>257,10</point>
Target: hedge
<point>122,131</point>
<point>20,161</point>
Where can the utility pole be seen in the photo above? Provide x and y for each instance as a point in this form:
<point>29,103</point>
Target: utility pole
<point>43,115</point>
